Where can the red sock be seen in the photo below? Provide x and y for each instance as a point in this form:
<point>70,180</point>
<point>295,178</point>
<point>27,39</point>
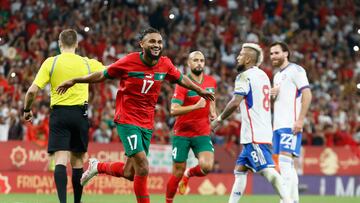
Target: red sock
<point>140,188</point>
<point>196,171</point>
<point>172,188</point>
<point>111,168</point>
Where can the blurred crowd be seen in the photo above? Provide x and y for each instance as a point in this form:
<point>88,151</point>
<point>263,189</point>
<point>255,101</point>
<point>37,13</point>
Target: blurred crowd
<point>324,37</point>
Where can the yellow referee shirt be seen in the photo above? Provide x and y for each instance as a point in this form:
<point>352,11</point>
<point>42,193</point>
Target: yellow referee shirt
<point>66,66</point>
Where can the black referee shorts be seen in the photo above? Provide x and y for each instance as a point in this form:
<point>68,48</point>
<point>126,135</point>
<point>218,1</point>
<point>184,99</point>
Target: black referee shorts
<point>69,129</point>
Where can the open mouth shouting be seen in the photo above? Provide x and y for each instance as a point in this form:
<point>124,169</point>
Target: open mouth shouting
<point>155,51</point>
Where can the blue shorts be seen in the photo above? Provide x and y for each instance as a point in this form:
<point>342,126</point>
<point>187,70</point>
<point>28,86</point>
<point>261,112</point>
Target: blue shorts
<point>256,157</point>
<point>285,141</point>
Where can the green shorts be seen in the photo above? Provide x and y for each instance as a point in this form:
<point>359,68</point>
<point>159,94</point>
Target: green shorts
<point>181,146</point>
<point>135,139</point>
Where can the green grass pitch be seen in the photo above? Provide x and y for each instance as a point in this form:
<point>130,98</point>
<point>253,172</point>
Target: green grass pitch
<point>35,198</point>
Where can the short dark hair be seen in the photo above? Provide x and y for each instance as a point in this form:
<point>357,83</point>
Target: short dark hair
<point>68,37</point>
<point>284,47</point>
<point>146,31</point>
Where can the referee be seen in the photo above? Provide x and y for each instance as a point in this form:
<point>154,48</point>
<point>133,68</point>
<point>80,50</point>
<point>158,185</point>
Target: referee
<point>69,124</point>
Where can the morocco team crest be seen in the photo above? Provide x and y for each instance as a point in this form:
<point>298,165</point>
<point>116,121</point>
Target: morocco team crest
<point>18,156</point>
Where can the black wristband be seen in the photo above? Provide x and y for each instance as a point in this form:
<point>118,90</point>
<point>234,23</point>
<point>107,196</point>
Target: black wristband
<point>26,110</point>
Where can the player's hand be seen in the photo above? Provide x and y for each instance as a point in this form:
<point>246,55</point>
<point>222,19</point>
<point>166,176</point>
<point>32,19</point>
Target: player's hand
<point>63,87</point>
<point>298,127</point>
<point>28,116</point>
<point>207,95</point>
<point>200,104</point>
<point>274,91</point>
<point>213,117</point>
<point>215,124</point>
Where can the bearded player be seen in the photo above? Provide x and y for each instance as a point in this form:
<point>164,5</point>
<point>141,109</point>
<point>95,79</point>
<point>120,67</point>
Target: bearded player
<point>141,75</point>
<point>252,94</point>
<point>292,100</point>
<point>192,128</point>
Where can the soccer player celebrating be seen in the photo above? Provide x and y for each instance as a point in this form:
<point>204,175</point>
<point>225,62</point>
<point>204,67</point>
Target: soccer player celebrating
<point>292,99</point>
<point>253,85</point>
<point>192,128</point>
<point>141,75</point>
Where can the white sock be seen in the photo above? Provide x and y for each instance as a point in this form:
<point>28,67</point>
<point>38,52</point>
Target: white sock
<point>286,167</point>
<point>238,187</point>
<point>273,177</point>
<point>294,194</point>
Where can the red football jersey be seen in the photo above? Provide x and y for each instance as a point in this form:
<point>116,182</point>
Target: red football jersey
<point>194,123</point>
<point>139,88</point>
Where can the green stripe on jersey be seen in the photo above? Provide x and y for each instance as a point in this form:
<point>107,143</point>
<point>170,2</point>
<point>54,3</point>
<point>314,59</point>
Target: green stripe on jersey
<point>176,101</point>
<point>180,79</point>
<point>159,76</point>
<point>192,93</point>
<point>210,89</point>
<point>106,74</point>
<point>136,74</point>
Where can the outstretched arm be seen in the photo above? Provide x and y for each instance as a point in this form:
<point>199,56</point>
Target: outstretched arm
<point>187,83</point>
<point>92,78</point>
<point>229,109</point>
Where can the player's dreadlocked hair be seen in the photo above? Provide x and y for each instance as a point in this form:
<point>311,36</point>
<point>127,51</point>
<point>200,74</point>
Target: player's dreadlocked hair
<point>146,31</point>
<point>257,49</point>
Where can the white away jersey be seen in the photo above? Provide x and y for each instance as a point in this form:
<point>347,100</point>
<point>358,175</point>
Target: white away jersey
<point>291,80</point>
<point>254,85</point>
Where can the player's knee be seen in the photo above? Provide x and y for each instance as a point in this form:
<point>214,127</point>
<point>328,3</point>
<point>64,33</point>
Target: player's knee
<point>178,173</point>
<point>61,158</point>
<point>142,166</point>
<point>178,170</point>
<point>270,174</point>
<point>206,167</point>
<point>77,160</point>
<point>129,175</point>
<point>142,171</point>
